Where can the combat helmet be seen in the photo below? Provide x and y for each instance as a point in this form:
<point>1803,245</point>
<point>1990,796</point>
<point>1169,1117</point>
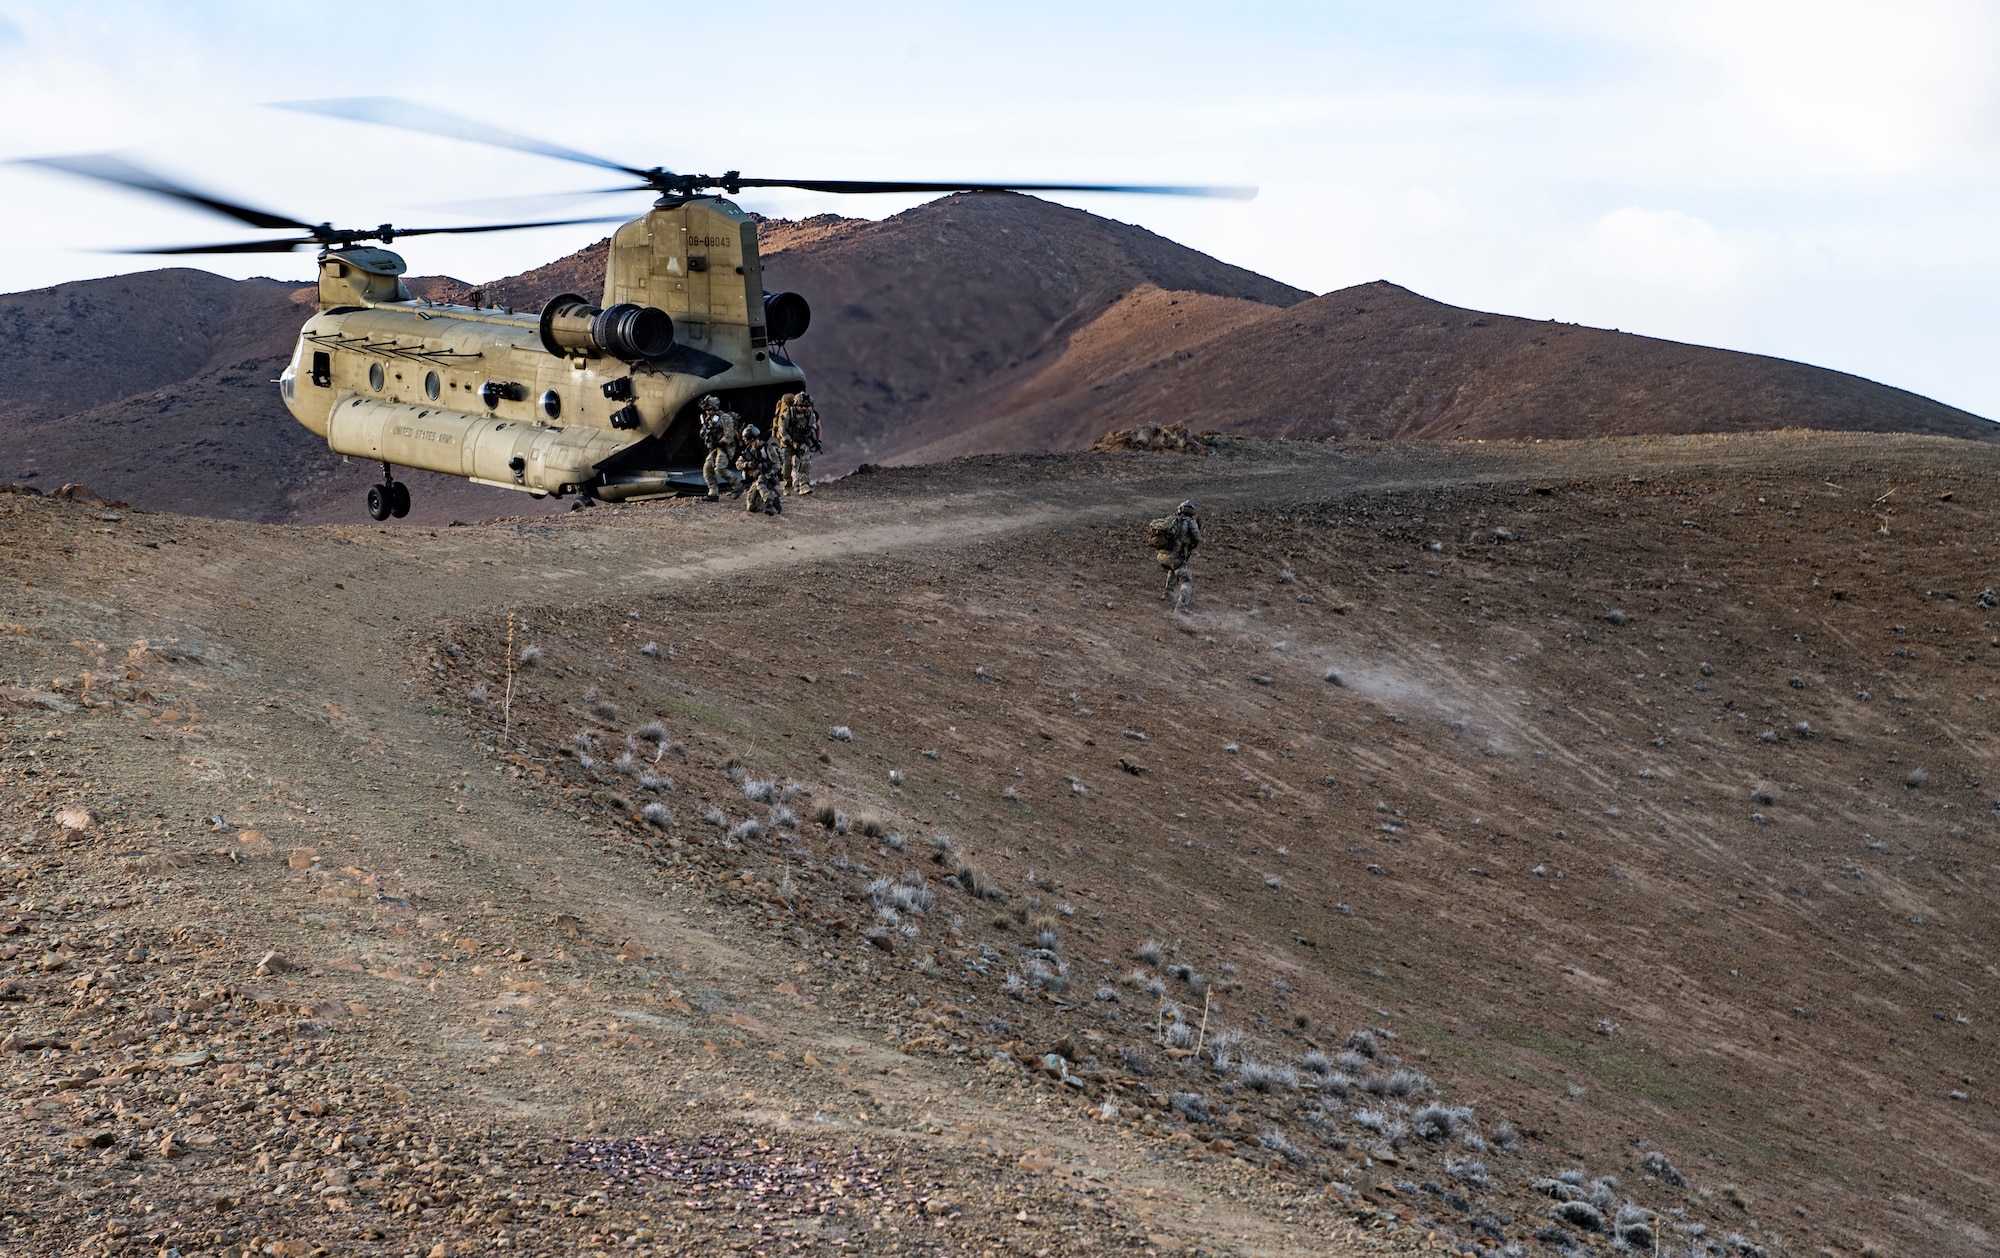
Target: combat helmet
<point>752,433</point>
<point>1187,508</point>
<point>711,403</point>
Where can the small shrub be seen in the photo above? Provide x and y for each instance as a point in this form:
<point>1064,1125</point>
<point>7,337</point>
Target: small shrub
<point>940,842</point>
<point>1363,1042</point>
<point>841,734</point>
<point>1015,986</point>
<point>1558,1189</point>
<point>651,650</point>
<point>1657,1165</point>
<point>1316,1064</point>
<point>1634,1226</point>
<point>1373,1119</point>
<point>758,791</point>
<point>1180,1035</point>
<point>1578,1214</point>
<point>744,830</point>
<point>652,731</point>
<point>1190,1106</point>
<point>715,817</point>
<point>1470,1171</point>
<point>1135,1061</point>
<point>652,783</point>
<point>656,814</point>
<point>605,711</point>
<point>1434,1123</point>
<point>1039,974</point>
<point>1274,882</point>
<point>626,764</point>
<point>1258,1077</point>
<point>870,827</point>
<point>1506,1138</point>
<point>1107,994</point>
<point>1046,937</point>
<point>1148,952</point>
<point>531,655</point>
<point>477,694</point>
<point>1274,1140</point>
<point>895,842</point>
<point>784,818</point>
<point>1408,1083</point>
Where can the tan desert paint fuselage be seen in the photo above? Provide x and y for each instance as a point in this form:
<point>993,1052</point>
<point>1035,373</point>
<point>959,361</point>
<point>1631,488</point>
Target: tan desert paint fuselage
<point>386,377</point>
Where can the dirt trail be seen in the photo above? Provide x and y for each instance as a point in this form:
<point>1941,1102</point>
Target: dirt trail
<point>497,961</point>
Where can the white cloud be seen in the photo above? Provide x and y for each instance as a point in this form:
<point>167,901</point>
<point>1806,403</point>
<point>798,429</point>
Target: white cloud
<point>1663,248</point>
<point>1878,87</point>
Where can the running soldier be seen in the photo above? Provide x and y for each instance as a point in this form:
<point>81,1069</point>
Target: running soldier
<point>718,437</point>
<point>1174,538</point>
<point>797,432</point>
<point>759,465</point>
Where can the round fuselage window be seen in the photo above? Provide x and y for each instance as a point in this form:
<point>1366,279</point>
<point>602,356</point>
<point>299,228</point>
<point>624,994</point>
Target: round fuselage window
<point>432,385</point>
<point>375,376</point>
<point>552,404</point>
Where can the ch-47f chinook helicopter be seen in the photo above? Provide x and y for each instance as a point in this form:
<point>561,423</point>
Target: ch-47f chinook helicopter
<point>597,398</point>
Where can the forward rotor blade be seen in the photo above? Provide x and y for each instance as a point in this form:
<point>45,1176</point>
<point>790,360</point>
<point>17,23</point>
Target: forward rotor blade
<point>869,185</point>
<point>114,170</point>
<point>508,227</point>
<point>239,246</point>
<point>391,111</point>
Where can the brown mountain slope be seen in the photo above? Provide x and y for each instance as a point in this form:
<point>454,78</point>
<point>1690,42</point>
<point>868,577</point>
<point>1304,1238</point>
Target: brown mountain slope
<point>1377,360</point>
<point>921,316</point>
<point>75,346</point>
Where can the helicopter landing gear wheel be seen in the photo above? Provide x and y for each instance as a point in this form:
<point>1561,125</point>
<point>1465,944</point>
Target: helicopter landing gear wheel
<point>390,498</point>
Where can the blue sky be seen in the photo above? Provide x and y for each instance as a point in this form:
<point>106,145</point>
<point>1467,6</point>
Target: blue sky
<point>1813,180</point>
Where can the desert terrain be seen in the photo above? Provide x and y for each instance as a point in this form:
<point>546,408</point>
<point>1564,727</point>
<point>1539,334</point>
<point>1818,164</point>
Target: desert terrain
<point>974,324</point>
<point>1524,846</point>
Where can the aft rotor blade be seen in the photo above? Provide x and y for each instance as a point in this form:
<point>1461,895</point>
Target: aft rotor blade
<point>870,185</point>
<point>115,170</point>
<point>391,111</point>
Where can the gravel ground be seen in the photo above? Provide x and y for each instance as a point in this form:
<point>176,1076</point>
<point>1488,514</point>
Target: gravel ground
<point>309,948</point>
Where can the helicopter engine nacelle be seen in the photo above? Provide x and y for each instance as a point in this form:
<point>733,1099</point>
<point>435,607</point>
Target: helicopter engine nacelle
<point>571,327</point>
<point>786,316</point>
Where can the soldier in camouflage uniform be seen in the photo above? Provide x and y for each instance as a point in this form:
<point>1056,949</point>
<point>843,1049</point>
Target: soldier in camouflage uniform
<point>759,465</point>
<point>797,434</point>
<point>1174,538</point>
<point>718,437</point>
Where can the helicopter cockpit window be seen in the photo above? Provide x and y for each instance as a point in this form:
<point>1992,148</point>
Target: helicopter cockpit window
<point>375,376</point>
<point>322,374</point>
<point>552,404</point>
<point>432,386</point>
